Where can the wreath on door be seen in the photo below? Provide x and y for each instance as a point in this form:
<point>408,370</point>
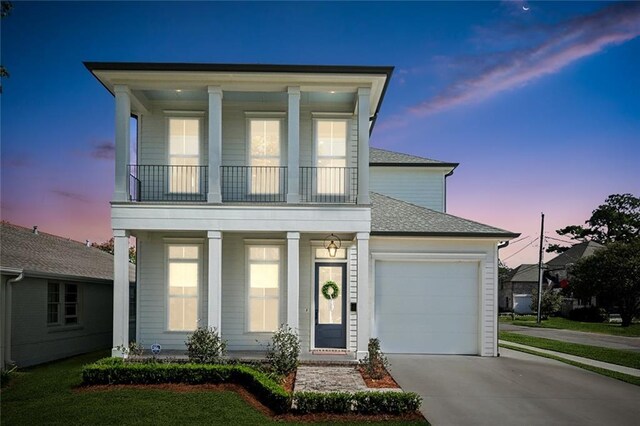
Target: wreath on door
<point>330,290</point>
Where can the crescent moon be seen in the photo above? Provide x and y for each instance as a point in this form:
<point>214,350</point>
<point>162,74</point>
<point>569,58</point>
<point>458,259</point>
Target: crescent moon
<point>525,8</point>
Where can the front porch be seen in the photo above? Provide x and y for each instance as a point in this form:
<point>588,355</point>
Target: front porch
<point>246,284</point>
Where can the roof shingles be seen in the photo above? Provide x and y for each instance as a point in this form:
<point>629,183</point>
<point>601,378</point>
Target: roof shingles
<point>379,156</point>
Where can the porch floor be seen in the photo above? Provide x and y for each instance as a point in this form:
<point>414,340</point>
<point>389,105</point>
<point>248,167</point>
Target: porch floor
<point>305,357</point>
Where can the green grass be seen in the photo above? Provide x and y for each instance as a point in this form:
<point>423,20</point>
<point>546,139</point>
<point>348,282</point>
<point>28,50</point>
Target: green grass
<point>613,374</point>
<point>613,356</point>
<point>565,324</point>
<point>48,395</point>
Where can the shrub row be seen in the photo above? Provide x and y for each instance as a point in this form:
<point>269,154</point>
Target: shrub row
<point>366,402</point>
<point>115,371</point>
<point>588,314</point>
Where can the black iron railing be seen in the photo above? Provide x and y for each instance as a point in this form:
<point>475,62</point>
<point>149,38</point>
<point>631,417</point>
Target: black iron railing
<point>328,184</point>
<point>264,184</point>
<point>168,183</point>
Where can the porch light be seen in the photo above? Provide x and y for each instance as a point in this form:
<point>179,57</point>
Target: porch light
<point>333,244</point>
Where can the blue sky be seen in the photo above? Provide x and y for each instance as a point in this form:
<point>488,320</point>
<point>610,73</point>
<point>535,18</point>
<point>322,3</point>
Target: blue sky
<point>540,107</point>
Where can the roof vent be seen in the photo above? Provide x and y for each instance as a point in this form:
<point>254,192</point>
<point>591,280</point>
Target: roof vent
<point>35,229</point>
<point>87,243</point>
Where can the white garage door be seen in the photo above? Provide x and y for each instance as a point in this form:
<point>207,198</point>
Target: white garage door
<point>522,303</point>
<point>427,307</point>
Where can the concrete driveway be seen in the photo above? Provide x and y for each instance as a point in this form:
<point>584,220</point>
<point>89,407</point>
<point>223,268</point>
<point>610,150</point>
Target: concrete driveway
<point>514,389</point>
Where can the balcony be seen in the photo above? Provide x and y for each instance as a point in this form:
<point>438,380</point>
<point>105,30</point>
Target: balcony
<point>241,184</point>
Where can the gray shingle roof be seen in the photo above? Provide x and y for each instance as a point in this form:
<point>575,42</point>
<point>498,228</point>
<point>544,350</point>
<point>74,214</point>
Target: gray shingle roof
<point>382,157</point>
<point>390,216</point>
<point>44,254</point>
<point>525,273</point>
<point>575,253</point>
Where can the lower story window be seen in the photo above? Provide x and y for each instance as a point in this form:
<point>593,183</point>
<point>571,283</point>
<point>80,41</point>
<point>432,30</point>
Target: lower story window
<point>263,288</point>
<point>62,304</point>
<point>184,265</point>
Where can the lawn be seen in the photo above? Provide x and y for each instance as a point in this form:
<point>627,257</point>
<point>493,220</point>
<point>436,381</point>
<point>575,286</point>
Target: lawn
<point>562,323</point>
<point>613,356</point>
<point>48,395</point>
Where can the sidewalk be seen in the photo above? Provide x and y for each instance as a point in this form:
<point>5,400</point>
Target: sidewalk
<point>587,361</point>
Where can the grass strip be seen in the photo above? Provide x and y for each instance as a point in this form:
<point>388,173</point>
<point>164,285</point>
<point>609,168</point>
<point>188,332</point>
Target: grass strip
<point>598,353</point>
<point>609,373</point>
<point>559,323</point>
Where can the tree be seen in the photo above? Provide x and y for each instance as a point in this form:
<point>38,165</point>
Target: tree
<point>5,10</point>
<point>618,219</point>
<point>108,247</point>
<point>612,275</point>
<point>551,302</point>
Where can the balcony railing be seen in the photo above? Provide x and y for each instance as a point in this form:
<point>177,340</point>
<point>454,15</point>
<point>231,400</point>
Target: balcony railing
<point>266,184</point>
<point>328,184</point>
<point>254,184</point>
<point>168,183</point>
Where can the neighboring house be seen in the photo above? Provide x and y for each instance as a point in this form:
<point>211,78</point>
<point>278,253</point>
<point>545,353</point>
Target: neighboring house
<point>56,296</point>
<point>255,186</point>
<point>515,293</point>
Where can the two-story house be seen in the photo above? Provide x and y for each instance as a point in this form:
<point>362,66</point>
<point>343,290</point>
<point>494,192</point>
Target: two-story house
<point>256,200</point>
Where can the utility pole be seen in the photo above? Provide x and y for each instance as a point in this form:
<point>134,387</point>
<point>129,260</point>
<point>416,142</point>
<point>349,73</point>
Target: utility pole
<point>540,272</point>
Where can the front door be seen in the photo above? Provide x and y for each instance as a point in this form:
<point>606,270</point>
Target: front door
<point>331,312</point>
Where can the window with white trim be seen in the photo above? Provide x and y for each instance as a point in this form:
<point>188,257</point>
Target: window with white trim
<point>331,155</point>
<point>184,155</point>
<point>62,304</point>
<point>263,287</point>
<point>183,275</point>
<point>264,155</point>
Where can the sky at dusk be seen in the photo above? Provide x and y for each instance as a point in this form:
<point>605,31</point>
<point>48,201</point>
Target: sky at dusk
<point>541,107</point>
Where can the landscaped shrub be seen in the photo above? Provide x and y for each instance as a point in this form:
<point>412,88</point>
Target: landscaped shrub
<point>5,376</point>
<point>374,363</point>
<point>116,371</point>
<point>588,314</point>
<point>366,402</point>
<point>134,349</point>
<point>284,350</point>
<point>205,346</point>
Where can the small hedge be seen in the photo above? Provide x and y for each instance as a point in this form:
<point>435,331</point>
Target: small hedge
<point>588,314</point>
<point>113,371</point>
<point>366,402</point>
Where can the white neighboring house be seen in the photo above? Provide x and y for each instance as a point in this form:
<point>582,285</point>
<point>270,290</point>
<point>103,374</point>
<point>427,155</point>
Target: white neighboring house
<point>246,173</point>
<point>56,297</point>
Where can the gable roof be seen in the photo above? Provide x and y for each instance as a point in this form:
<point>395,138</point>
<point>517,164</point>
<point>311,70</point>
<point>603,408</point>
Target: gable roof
<point>383,157</point>
<point>527,272</point>
<point>45,254</point>
<point>390,216</point>
<point>575,253</point>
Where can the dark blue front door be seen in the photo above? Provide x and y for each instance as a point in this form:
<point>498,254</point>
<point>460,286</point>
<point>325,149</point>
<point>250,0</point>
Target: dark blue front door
<point>331,312</point>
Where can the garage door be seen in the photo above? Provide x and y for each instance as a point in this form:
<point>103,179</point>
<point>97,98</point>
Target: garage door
<point>522,303</point>
<point>427,307</point>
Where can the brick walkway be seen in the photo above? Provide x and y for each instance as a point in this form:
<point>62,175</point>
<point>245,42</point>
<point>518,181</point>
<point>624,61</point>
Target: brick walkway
<point>328,379</point>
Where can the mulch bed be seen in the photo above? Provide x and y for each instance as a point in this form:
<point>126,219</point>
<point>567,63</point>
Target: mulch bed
<point>385,382</point>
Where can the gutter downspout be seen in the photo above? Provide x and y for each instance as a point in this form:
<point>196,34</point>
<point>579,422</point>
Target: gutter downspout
<point>501,245</point>
<point>7,319</point>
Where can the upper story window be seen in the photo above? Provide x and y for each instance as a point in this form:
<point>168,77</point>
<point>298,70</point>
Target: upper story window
<point>264,155</point>
<point>183,273</point>
<point>331,155</point>
<point>184,155</point>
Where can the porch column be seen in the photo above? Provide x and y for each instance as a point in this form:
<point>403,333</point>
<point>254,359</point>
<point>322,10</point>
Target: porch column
<point>363,145</point>
<point>214,308</point>
<point>293,280</point>
<point>364,295</point>
<point>123,115</point>
<point>215,143</point>
<point>293,147</point>
<point>120,290</point>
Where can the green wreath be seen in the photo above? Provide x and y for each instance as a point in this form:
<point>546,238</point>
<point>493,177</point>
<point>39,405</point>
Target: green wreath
<point>330,290</point>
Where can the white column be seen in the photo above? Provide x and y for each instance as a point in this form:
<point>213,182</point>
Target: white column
<point>120,290</point>
<point>123,115</point>
<point>215,143</point>
<point>363,145</point>
<point>293,280</point>
<point>214,302</point>
<point>293,147</point>
<point>364,294</point>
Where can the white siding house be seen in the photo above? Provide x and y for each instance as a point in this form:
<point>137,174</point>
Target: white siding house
<point>245,174</point>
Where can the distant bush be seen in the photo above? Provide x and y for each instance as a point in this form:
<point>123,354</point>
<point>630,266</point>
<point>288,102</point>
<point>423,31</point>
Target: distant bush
<point>205,346</point>
<point>588,314</point>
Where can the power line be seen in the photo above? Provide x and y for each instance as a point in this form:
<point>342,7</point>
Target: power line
<point>517,241</point>
<point>510,256</point>
<point>557,239</point>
